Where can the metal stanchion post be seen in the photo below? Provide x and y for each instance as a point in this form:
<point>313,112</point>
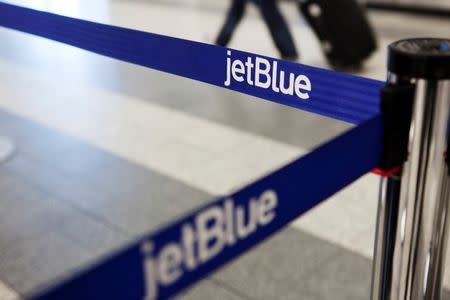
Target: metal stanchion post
<point>413,206</point>
<point>385,235</point>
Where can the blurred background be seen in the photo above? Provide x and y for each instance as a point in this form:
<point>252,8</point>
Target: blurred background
<point>95,152</point>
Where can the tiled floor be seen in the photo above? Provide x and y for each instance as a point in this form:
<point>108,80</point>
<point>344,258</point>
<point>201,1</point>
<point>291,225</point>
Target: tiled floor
<point>107,151</point>
<point>96,212</point>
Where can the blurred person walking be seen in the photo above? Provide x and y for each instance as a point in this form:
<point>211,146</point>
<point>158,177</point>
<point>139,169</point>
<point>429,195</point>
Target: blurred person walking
<point>342,27</point>
<point>272,17</point>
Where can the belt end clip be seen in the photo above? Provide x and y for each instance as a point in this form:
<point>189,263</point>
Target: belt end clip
<point>396,106</point>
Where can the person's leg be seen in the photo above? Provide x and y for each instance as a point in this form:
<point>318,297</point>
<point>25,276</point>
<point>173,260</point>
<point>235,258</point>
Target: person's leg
<point>278,29</point>
<point>234,16</point>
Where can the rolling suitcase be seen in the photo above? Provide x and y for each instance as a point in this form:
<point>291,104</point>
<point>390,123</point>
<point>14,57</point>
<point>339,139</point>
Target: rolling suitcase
<point>343,29</point>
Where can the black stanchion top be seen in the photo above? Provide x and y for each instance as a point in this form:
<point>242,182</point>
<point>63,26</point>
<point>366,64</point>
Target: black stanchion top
<point>427,58</point>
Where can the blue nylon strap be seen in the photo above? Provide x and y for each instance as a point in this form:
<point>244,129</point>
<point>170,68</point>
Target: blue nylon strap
<point>164,262</point>
<point>336,95</point>
<point>298,187</point>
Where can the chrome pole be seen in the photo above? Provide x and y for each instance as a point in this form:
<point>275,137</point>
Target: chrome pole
<point>413,213</point>
<point>389,192</point>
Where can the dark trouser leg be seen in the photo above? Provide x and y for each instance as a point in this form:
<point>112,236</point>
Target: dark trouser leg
<point>234,16</point>
<point>278,29</point>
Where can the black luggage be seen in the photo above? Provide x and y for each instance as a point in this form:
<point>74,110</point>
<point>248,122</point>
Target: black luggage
<point>343,29</point>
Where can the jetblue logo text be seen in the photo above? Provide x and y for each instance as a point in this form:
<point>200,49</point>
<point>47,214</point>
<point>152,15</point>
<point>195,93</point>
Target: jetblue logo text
<point>209,233</point>
<point>265,75</point>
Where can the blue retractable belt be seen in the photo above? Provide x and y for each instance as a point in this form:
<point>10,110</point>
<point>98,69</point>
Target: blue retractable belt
<point>162,263</point>
<point>337,95</point>
<point>133,273</point>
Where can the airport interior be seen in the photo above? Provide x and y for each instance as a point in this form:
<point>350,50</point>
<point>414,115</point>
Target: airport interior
<point>97,152</point>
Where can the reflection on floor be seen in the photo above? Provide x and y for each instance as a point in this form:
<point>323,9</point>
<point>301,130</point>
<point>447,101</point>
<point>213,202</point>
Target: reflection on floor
<point>107,151</point>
